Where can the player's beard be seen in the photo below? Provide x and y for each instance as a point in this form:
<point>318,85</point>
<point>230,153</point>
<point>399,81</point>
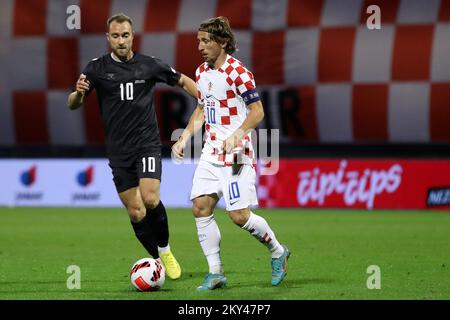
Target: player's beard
<point>210,60</point>
<point>122,52</point>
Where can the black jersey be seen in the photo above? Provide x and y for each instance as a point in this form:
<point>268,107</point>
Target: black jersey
<point>125,96</point>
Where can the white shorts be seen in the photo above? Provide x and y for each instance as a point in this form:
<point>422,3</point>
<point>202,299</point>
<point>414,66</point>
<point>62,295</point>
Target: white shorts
<point>239,190</point>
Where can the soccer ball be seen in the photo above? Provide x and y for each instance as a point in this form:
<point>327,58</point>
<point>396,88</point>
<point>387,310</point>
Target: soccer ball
<point>147,274</point>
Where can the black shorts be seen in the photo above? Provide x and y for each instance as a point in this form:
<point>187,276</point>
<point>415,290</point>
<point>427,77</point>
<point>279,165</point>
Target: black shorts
<point>146,164</point>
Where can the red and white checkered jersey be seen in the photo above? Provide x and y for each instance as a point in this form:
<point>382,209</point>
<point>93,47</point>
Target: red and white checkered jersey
<point>221,92</point>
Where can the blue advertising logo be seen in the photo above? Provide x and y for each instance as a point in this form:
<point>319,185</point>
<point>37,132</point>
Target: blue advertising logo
<point>28,177</point>
<point>85,177</point>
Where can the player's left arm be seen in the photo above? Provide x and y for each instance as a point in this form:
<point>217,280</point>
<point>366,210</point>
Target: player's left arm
<point>166,74</point>
<point>254,118</point>
<point>188,85</point>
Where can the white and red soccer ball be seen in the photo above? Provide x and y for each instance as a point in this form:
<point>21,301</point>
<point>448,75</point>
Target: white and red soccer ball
<point>147,274</point>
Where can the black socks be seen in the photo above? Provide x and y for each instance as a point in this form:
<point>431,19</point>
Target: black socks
<point>145,235</point>
<point>153,230</point>
<point>157,218</point>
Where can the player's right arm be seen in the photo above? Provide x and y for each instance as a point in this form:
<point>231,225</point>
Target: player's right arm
<point>195,123</point>
<point>76,98</point>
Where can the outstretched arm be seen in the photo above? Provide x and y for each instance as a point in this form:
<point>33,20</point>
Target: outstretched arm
<point>195,123</point>
<point>76,98</point>
<point>188,85</point>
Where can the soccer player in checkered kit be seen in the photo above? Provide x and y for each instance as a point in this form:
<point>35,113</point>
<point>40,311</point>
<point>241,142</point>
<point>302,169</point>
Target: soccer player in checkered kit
<point>124,82</point>
<point>230,105</point>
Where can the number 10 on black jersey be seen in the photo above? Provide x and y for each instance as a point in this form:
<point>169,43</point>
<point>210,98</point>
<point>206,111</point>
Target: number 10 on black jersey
<point>126,92</point>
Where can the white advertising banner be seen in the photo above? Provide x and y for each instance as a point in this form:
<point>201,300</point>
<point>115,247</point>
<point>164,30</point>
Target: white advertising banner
<point>80,183</point>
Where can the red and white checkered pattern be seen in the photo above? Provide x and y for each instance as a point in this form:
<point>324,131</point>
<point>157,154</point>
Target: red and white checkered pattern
<point>354,84</point>
<point>220,94</point>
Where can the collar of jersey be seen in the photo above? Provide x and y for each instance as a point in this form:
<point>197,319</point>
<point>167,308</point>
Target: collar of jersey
<point>121,62</point>
<point>222,68</point>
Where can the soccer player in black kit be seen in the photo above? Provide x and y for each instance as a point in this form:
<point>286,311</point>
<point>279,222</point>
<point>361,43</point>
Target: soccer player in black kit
<point>124,82</point>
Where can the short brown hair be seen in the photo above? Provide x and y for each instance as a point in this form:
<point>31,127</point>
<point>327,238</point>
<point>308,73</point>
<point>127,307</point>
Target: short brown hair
<point>220,31</point>
<point>119,17</point>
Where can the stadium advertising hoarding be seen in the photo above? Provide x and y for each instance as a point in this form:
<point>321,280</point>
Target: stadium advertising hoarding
<point>357,183</point>
<point>308,183</point>
<point>80,183</point>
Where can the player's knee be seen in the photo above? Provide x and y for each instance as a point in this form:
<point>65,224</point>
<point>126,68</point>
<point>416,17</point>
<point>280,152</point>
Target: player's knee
<point>151,200</point>
<point>199,210</point>
<point>136,213</point>
<point>239,217</point>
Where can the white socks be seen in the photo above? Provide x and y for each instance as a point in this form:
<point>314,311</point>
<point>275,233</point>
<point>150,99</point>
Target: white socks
<point>259,228</point>
<point>164,249</point>
<point>209,238</point>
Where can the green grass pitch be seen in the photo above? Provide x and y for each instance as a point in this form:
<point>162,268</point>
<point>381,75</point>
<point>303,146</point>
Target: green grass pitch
<point>331,251</point>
